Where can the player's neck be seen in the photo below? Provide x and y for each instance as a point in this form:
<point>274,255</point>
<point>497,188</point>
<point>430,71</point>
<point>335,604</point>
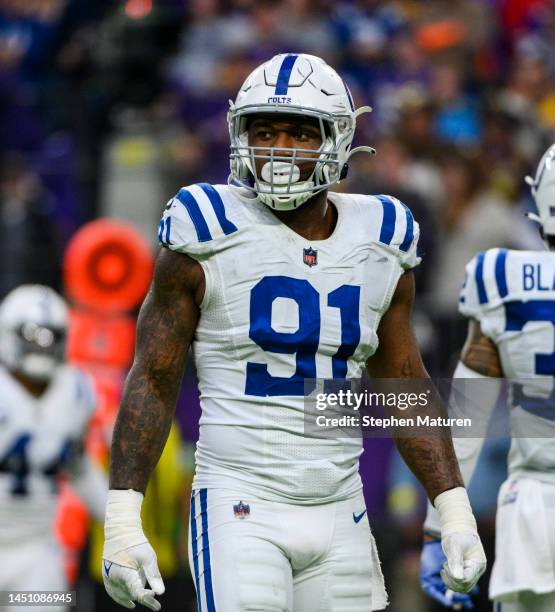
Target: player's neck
<point>34,387</point>
<point>314,220</point>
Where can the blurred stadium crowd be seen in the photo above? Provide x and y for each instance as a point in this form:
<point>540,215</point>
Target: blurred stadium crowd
<point>107,107</point>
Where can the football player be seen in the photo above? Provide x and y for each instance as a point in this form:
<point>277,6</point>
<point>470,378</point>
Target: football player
<point>45,407</point>
<point>274,280</point>
<point>509,299</point>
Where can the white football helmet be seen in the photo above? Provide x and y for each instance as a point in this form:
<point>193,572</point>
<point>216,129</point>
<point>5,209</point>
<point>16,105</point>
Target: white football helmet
<point>543,191</point>
<point>33,329</point>
<point>302,85</point>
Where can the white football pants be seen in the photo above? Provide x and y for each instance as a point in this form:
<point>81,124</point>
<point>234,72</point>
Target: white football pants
<point>528,602</point>
<point>248,554</point>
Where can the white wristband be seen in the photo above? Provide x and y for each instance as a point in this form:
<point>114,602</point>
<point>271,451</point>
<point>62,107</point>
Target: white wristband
<point>122,526</point>
<point>455,513</point>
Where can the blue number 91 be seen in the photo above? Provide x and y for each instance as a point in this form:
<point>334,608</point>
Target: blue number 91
<point>303,342</point>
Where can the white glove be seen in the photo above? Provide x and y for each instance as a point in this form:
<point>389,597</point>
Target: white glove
<point>466,559</point>
<point>129,561</point>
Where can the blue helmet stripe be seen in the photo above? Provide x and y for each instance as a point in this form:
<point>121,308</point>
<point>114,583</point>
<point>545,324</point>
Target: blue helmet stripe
<point>217,204</point>
<point>479,276</point>
<point>500,274</point>
<point>389,219</point>
<point>187,199</point>
<point>409,233</point>
<point>351,103</point>
<point>194,545</point>
<point>284,74</point>
<point>211,607</point>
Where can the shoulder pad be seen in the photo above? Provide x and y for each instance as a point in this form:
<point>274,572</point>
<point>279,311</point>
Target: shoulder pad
<point>485,284</point>
<point>194,219</point>
<point>398,230</point>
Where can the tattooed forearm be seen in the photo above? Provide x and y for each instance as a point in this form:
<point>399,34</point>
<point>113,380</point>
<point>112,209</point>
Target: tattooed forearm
<point>480,353</point>
<point>427,449</point>
<point>433,461</point>
<point>165,328</point>
<point>427,452</point>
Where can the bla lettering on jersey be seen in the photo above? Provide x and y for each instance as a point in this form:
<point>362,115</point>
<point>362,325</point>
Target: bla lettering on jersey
<point>533,279</point>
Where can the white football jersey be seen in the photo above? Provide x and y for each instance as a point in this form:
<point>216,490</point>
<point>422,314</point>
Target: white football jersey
<point>279,309</point>
<point>38,438</point>
<point>512,295</point>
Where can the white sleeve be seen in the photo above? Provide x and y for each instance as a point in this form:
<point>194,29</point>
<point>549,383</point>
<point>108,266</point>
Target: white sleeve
<point>478,408</point>
<point>91,485</point>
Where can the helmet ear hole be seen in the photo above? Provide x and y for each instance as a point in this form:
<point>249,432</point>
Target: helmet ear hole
<point>344,172</point>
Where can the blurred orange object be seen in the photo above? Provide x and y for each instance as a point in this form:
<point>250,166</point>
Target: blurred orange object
<point>94,339</point>
<point>440,35</point>
<point>107,266</point>
<point>107,270</point>
<point>71,527</point>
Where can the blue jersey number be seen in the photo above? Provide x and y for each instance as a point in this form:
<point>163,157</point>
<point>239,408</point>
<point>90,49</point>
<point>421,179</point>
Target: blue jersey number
<point>517,315</point>
<point>304,342</point>
<point>16,463</point>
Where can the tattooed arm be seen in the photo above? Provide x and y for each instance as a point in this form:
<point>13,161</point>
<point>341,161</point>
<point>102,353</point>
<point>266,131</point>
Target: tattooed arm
<point>166,325</point>
<point>431,458</point>
<point>479,353</point>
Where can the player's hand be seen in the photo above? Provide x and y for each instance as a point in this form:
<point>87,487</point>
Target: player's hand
<point>126,574</point>
<point>128,560</point>
<point>466,561</point>
<point>432,561</point>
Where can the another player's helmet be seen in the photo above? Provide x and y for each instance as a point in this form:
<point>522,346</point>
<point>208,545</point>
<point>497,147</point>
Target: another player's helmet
<point>301,85</point>
<point>33,329</point>
<point>543,191</point>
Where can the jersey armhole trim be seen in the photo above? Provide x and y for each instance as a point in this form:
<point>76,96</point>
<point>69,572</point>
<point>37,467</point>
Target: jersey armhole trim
<point>208,284</point>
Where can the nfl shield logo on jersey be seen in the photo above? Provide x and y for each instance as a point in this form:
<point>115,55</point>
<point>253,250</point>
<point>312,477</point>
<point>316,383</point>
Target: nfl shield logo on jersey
<point>310,257</point>
<point>241,510</point>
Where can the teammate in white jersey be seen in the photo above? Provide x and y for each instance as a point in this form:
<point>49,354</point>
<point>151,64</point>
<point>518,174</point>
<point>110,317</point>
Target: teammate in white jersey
<point>274,281</point>
<point>45,406</point>
<point>509,299</point>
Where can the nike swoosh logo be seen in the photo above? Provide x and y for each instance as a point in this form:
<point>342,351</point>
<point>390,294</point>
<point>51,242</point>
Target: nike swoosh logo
<point>358,517</point>
<point>107,566</point>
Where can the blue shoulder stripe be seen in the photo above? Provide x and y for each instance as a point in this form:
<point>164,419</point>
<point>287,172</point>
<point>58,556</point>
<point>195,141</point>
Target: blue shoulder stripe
<point>187,199</point>
<point>500,273</point>
<point>218,205</point>
<point>479,276</point>
<point>282,84</point>
<point>389,218</point>
<point>409,232</point>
